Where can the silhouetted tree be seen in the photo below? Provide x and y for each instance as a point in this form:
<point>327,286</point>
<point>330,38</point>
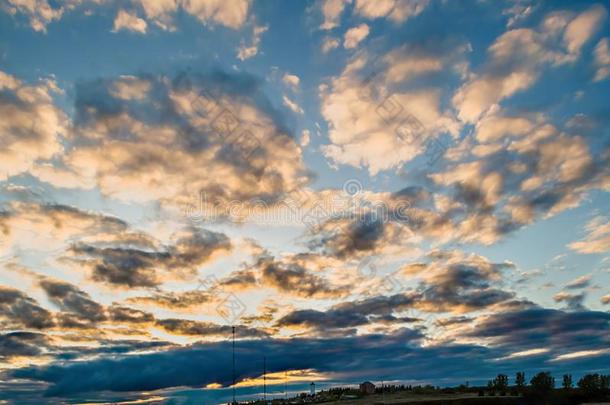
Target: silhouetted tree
<point>590,385</point>
<point>542,383</point>
<point>567,382</point>
<point>520,380</point>
<point>500,383</point>
<point>490,388</point>
<point>604,382</point>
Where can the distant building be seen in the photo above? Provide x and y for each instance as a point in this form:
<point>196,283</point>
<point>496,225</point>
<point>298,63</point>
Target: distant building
<point>367,388</point>
<point>312,389</point>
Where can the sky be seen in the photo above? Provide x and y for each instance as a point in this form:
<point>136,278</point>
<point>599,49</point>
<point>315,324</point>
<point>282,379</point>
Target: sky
<point>410,191</point>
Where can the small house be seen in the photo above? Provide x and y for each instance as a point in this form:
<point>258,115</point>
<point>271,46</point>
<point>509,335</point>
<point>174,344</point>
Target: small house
<point>367,388</point>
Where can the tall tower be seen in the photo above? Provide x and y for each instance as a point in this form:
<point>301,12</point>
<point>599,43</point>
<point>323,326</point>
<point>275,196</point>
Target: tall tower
<point>234,402</point>
<point>265,378</point>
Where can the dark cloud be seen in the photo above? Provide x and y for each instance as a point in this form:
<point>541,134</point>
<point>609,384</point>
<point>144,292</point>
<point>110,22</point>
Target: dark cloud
<point>134,266</point>
<point>201,364</point>
<point>350,314</point>
<point>122,314</point>
<point>351,236</point>
<point>70,298</point>
<point>69,320</point>
<point>452,281</point>
<point>362,235</point>
<point>296,274</point>
<point>122,266</point>
<point>17,310</point>
<point>546,328</point>
<point>206,329</point>
<point>392,355</point>
<point>245,278</point>
<point>289,276</point>
<point>175,300</point>
<point>22,344</point>
<point>446,297</point>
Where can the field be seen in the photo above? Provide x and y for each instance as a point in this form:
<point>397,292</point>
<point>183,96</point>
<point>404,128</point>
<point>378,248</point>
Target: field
<point>400,398</point>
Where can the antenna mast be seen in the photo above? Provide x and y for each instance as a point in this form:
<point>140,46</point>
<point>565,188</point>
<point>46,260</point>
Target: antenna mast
<point>234,365</point>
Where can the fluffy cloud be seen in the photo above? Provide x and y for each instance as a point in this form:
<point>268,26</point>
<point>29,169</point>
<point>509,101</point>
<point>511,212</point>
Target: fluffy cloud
<point>580,282</point>
<point>32,127</point>
<point>521,169</point>
<point>582,28</point>
<point>573,301</point>
<point>517,56</point>
<point>160,12</point>
<point>394,10</point>
<point>246,51</point>
<point>355,35</point>
<point>39,12</point>
<point>329,43</point>
<point>161,145</point>
<point>598,238</point>
<point>129,21</point>
<point>602,60</point>
<point>49,228</point>
<point>291,81</point>
<point>375,126</point>
<point>331,10</point>
<point>130,88</point>
<point>305,138</point>
<point>293,106</point>
<point>231,14</point>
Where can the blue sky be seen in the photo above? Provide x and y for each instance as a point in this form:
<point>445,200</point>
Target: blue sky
<point>324,174</point>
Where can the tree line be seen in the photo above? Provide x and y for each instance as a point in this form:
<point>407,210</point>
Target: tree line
<point>542,385</point>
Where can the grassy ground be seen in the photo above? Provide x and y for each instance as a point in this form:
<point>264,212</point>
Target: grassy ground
<point>428,399</point>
